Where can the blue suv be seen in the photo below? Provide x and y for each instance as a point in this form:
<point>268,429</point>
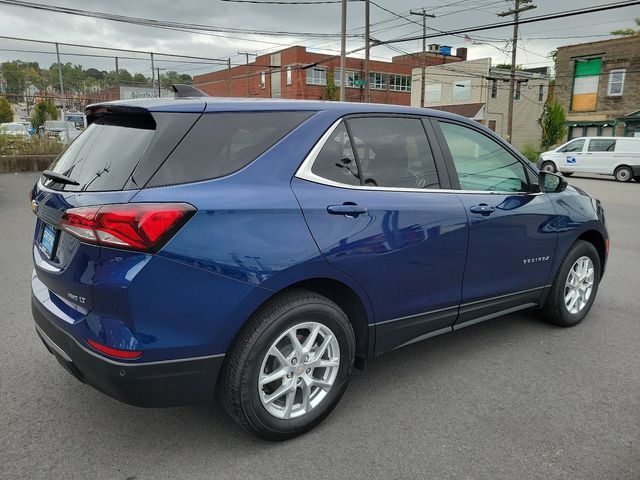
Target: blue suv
<point>262,249</point>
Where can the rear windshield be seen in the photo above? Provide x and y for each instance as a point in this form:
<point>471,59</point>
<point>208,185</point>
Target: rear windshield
<point>103,157</point>
<point>223,143</point>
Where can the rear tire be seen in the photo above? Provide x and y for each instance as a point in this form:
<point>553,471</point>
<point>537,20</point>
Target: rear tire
<point>548,167</point>
<point>623,174</point>
<point>278,342</point>
<point>579,273</point>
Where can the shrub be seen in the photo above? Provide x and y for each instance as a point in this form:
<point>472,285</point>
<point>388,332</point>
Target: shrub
<point>35,146</point>
<point>6,112</point>
<point>532,153</point>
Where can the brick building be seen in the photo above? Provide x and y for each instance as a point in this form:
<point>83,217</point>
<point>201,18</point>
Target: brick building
<point>598,84</point>
<point>295,73</point>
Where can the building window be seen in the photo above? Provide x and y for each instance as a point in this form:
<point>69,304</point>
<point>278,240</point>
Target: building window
<point>377,81</point>
<point>433,93</point>
<point>352,79</point>
<point>616,82</point>
<point>540,93</point>
<point>263,79</point>
<point>494,88</point>
<point>461,90</point>
<point>289,75</point>
<point>316,76</point>
<point>400,83</point>
<point>518,93</point>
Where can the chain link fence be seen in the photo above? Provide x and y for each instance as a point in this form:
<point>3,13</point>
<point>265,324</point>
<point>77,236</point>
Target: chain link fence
<point>72,76</point>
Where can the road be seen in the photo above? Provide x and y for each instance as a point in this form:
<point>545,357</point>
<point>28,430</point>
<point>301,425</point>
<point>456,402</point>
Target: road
<point>512,398</point>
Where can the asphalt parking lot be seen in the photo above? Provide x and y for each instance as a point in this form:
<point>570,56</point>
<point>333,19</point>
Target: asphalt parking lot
<point>512,398</point>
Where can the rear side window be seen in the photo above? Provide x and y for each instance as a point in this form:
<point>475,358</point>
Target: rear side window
<point>390,152</point>
<point>393,152</point>
<point>103,156</point>
<point>602,145</point>
<point>223,143</point>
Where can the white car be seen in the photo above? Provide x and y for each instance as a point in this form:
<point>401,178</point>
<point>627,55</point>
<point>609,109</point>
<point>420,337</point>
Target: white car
<point>15,130</point>
<point>617,156</point>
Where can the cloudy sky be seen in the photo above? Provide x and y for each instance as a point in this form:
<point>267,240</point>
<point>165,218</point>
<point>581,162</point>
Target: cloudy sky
<point>537,39</point>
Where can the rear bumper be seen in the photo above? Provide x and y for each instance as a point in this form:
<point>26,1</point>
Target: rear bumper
<point>151,384</point>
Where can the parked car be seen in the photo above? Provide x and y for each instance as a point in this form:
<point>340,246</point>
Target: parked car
<point>15,131</point>
<point>261,249</point>
<point>617,156</point>
<point>65,131</point>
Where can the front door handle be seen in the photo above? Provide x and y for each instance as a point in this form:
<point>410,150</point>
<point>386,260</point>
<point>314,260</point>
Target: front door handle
<point>483,209</point>
<point>347,209</point>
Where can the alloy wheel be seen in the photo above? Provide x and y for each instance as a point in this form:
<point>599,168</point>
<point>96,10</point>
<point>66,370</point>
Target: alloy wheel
<point>579,285</point>
<point>298,370</point>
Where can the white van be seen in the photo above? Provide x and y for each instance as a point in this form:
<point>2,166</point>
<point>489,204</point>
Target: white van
<point>617,156</point>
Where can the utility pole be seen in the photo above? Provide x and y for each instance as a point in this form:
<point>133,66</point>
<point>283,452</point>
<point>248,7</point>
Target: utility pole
<point>519,7</point>
<point>246,56</point>
<point>228,77</point>
<point>64,100</point>
<point>159,83</point>
<point>424,16</point>
<point>343,50</point>
<point>367,49</point>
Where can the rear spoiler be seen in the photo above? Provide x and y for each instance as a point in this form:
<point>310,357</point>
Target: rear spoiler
<point>123,115</point>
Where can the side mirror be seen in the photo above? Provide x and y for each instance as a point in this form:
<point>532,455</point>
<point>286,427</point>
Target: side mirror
<point>551,182</point>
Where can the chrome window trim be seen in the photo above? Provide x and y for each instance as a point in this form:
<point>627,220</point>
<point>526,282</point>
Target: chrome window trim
<point>304,173</point>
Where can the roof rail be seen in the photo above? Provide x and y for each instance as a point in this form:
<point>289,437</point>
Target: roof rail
<point>183,91</point>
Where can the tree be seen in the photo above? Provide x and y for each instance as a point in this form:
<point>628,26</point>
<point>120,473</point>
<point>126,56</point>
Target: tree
<point>507,66</point>
<point>6,112</point>
<point>171,77</point>
<point>330,92</point>
<point>628,32</point>
<point>140,80</point>
<point>44,110</point>
<point>553,122</point>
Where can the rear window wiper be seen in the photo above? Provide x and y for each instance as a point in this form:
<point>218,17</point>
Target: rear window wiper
<point>58,177</point>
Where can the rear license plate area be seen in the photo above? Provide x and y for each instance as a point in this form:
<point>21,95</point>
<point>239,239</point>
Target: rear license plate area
<point>48,238</point>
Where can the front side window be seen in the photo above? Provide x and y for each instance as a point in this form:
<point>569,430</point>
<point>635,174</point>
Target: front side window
<point>483,164</point>
<point>316,76</point>
<point>602,145</point>
<point>379,152</point>
<point>461,90</point>
<point>616,82</point>
<point>574,146</point>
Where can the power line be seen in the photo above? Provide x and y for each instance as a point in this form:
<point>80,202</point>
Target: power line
<point>148,22</point>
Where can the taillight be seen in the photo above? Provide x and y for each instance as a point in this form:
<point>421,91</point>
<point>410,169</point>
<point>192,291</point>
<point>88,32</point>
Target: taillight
<point>114,352</point>
<point>136,226</point>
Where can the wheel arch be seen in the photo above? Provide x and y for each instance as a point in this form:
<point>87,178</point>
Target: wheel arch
<point>595,238</point>
<point>350,302</point>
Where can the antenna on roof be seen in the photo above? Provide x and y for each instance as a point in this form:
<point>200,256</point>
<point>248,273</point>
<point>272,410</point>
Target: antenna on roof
<point>183,91</point>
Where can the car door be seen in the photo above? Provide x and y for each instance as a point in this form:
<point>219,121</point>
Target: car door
<point>511,239</point>
<point>571,157</point>
<point>600,155</point>
<point>371,195</point>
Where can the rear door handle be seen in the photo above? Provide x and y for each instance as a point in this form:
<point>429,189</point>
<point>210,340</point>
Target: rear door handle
<point>347,209</point>
<point>483,209</point>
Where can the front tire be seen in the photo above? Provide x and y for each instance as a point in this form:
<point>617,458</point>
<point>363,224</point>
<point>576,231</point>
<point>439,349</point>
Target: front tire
<point>623,174</point>
<point>575,286</point>
<point>289,366</point>
<point>548,167</point>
